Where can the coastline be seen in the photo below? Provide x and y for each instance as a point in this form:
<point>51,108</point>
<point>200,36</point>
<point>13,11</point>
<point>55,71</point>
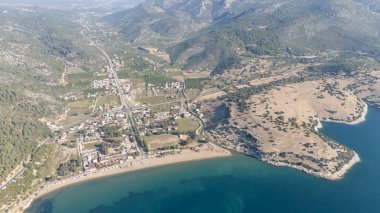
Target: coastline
<point>337,175</point>
<point>354,122</point>
<point>185,156</point>
<point>361,119</point>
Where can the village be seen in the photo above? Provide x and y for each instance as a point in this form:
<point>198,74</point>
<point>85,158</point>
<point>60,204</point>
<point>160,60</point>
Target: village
<point>107,130</point>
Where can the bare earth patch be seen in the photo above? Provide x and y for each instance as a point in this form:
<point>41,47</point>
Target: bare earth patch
<point>211,93</point>
<point>163,55</point>
<point>203,74</point>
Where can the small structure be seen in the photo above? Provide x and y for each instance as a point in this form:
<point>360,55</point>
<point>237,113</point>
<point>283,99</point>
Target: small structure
<point>91,167</point>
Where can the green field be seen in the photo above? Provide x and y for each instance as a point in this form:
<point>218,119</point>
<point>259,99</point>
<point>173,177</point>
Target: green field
<point>192,93</point>
<point>175,73</point>
<point>81,79</point>
<point>155,142</point>
<point>73,118</point>
<point>93,91</point>
<point>153,100</point>
<point>127,74</point>
<point>156,78</point>
<point>160,108</point>
<point>110,100</point>
<point>185,125</point>
<point>79,105</point>
<point>91,145</point>
<point>195,83</point>
<point>156,100</point>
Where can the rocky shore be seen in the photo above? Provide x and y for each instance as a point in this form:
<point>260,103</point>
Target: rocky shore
<point>325,175</point>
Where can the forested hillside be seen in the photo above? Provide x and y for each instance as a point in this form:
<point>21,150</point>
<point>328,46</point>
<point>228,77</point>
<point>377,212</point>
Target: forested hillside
<point>20,130</point>
<point>36,46</point>
<point>164,22</point>
<point>217,34</point>
<point>295,28</point>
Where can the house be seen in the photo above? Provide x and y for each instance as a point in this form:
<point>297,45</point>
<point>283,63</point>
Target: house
<point>91,167</point>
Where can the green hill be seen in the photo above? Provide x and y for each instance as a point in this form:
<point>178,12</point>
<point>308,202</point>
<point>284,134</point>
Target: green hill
<point>166,22</point>
<point>297,28</point>
<point>216,34</point>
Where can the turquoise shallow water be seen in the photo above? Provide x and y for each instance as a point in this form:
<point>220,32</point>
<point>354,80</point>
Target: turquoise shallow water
<point>237,184</point>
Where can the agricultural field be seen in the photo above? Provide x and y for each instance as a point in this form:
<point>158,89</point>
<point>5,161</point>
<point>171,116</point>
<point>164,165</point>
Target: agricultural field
<point>113,100</point>
<point>160,108</point>
<point>156,100</point>
<point>79,105</point>
<point>185,125</point>
<point>93,91</point>
<point>192,93</point>
<point>155,142</point>
<point>153,100</point>
<point>156,78</point>
<point>72,118</point>
<point>77,110</point>
<point>127,74</point>
<point>91,145</point>
<point>81,79</point>
<point>195,83</point>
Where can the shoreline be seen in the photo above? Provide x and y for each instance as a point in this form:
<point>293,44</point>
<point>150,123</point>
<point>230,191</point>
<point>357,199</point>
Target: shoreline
<point>337,175</point>
<point>361,119</point>
<point>334,176</point>
<point>188,157</point>
<point>183,157</point>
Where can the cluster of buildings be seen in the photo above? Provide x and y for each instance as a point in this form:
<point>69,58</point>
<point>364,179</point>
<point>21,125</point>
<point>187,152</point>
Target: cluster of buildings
<point>92,132</point>
<point>155,123</point>
<point>107,84</point>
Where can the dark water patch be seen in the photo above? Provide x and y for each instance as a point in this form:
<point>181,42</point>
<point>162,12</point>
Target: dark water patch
<point>134,202</point>
<point>42,206</point>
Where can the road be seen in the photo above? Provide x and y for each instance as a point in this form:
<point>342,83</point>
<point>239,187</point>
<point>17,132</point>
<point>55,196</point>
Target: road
<point>22,169</point>
<point>130,109</point>
<point>116,78</point>
<point>126,107</point>
<point>20,172</point>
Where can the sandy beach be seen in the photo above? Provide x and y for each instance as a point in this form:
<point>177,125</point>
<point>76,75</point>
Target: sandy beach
<point>184,156</point>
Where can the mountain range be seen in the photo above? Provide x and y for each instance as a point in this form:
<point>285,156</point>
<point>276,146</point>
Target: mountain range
<point>217,34</point>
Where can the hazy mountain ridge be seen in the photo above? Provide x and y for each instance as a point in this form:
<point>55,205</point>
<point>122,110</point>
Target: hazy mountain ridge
<point>173,19</point>
<point>234,29</point>
<point>296,27</point>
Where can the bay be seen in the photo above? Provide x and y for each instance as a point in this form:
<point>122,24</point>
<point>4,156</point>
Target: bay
<point>235,184</point>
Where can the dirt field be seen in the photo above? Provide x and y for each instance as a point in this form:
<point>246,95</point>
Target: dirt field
<point>163,55</point>
<point>186,124</point>
<point>210,93</point>
<point>160,141</point>
<point>204,74</point>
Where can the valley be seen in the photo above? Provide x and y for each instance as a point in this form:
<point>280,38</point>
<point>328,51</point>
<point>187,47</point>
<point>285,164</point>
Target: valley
<point>98,90</point>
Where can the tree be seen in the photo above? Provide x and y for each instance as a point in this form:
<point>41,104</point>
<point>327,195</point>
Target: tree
<point>192,134</point>
<point>104,148</point>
